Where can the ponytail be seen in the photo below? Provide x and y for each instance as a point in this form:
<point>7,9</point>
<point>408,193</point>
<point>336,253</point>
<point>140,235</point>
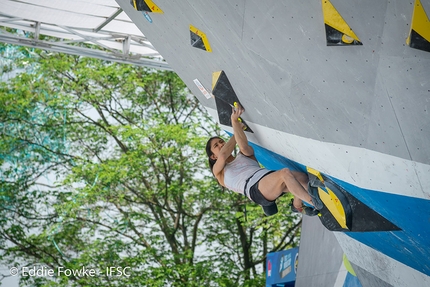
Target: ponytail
<point>209,153</point>
<point>212,161</point>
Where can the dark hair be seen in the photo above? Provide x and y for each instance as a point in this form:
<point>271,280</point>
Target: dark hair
<point>212,161</point>
<point>209,152</point>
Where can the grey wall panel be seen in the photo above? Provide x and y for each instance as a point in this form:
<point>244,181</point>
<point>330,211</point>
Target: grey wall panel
<point>276,57</point>
<point>320,256</point>
<point>368,279</point>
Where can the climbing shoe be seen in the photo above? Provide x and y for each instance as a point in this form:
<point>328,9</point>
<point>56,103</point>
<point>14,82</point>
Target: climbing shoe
<point>316,200</point>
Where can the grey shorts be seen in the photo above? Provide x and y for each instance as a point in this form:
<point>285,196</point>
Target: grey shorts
<point>256,195</point>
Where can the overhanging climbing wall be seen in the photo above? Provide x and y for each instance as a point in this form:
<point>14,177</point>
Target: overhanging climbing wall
<point>340,86</point>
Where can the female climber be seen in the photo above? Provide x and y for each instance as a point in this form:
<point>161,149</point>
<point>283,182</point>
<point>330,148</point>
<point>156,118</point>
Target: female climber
<point>244,175</point>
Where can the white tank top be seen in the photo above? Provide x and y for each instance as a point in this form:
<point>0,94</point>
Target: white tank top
<point>238,171</point>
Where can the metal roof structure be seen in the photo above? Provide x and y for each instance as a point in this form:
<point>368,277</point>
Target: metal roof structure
<point>92,28</point>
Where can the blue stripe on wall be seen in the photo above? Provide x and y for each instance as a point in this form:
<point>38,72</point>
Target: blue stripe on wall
<point>351,281</point>
<point>411,245</point>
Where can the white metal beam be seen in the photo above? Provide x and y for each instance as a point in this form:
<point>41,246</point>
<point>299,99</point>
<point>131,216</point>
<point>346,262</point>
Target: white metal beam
<point>111,35</point>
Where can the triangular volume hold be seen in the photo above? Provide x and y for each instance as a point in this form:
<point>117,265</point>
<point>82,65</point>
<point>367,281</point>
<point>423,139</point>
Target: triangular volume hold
<point>145,5</point>
<point>344,212</point>
<point>225,99</point>
<point>199,39</point>
<point>338,32</point>
<point>419,37</point>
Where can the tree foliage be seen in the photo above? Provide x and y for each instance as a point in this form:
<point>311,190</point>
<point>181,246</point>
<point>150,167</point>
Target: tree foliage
<point>103,165</point>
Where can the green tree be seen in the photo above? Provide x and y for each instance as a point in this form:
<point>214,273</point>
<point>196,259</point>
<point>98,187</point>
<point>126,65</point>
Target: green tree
<point>103,165</point>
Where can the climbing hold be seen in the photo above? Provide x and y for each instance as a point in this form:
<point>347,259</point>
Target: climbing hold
<point>145,5</point>
<point>419,36</point>
<point>342,211</point>
<point>199,39</point>
<point>338,32</point>
<point>336,203</point>
<point>225,97</point>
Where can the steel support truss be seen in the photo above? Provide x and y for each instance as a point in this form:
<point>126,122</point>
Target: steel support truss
<point>95,43</point>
